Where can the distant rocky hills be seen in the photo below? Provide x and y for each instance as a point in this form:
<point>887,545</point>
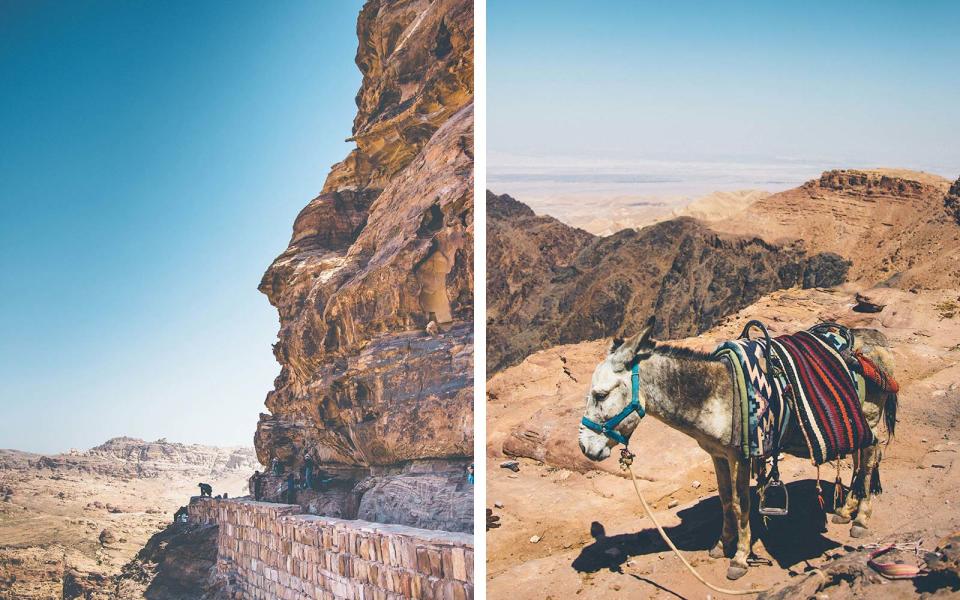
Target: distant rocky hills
<point>549,283</point>
<point>128,457</point>
<point>897,227</point>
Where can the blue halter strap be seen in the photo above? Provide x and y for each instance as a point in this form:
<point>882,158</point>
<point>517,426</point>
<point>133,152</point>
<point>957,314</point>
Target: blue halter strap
<point>609,427</point>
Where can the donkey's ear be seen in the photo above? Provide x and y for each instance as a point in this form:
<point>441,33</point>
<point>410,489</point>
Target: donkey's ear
<point>625,352</point>
<point>614,344</point>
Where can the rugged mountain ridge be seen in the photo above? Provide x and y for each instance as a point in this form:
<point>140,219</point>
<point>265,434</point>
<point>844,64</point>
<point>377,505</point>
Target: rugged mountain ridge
<point>128,457</point>
<point>382,252</point>
<point>894,225</point>
<point>549,283</point>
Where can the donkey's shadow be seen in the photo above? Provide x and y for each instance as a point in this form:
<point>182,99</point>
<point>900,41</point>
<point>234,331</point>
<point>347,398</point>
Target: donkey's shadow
<point>789,540</point>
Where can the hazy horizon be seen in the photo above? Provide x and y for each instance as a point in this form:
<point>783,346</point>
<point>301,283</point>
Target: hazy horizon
<point>154,158</point>
<point>581,89</point>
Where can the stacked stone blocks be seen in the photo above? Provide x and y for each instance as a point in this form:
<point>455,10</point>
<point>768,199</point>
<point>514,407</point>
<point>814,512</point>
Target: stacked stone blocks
<point>268,550</point>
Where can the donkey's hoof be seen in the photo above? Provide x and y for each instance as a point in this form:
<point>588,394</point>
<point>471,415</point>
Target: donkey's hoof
<point>841,520</point>
<point>859,531</point>
<point>717,551</point>
<point>735,572</point>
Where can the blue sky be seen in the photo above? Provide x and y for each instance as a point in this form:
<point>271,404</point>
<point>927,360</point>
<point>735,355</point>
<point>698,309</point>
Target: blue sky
<point>842,83</point>
<point>153,159</point>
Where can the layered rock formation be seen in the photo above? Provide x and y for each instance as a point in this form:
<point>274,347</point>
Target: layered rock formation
<point>382,252</point>
<point>550,284</point>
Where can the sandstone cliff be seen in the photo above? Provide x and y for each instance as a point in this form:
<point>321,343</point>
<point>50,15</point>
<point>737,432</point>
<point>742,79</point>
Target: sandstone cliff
<point>386,248</point>
<point>550,284</point>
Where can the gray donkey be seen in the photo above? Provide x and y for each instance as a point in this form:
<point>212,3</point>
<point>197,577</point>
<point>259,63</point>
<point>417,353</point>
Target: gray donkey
<point>693,393</point>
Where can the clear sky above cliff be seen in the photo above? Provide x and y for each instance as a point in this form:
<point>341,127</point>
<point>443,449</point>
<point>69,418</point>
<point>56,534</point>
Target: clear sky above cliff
<point>852,83</point>
<point>153,157</point>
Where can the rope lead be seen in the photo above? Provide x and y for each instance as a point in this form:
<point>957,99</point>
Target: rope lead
<point>626,459</point>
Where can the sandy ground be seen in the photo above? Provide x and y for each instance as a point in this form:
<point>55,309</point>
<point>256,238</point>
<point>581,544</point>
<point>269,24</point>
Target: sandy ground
<point>593,540</point>
<point>52,522</point>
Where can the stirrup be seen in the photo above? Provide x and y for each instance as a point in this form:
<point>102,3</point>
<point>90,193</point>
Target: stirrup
<point>774,511</point>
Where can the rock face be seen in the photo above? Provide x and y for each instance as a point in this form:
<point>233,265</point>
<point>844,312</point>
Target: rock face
<point>550,284</point>
<point>952,201</point>
<point>384,250</point>
<point>177,562</point>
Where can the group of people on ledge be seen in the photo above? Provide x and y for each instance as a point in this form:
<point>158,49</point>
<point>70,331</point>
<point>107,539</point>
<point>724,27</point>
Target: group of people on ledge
<point>306,478</point>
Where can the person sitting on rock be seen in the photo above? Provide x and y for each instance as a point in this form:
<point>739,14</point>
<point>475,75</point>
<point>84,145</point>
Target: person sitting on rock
<point>181,515</point>
<point>206,490</point>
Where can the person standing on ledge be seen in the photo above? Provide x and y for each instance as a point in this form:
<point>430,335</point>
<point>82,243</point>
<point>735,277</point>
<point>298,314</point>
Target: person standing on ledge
<point>206,490</point>
<point>291,488</point>
<point>257,485</point>
<point>308,472</point>
<point>276,467</point>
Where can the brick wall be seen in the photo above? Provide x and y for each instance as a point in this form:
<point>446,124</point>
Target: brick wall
<point>267,550</point>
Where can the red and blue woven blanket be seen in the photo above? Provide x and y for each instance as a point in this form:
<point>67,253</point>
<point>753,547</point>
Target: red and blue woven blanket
<point>824,395</point>
<point>807,382</point>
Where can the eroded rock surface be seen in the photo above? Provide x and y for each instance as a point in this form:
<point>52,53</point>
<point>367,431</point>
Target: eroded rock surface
<point>384,250</point>
<point>549,283</point>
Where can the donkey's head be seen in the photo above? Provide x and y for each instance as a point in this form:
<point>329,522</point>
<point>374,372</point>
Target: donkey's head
<point>609,418</point>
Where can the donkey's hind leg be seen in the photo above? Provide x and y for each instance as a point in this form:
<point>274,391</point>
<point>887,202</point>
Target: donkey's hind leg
<point>869,464</point>
<point>844,514</point>
<point>728,536</point>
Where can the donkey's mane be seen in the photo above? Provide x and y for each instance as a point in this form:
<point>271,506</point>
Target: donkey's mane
<point>683,352</point>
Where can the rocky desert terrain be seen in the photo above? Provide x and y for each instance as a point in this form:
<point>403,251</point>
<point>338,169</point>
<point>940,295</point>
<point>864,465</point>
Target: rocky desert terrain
<point>569,527</point>
<point>69,519</point>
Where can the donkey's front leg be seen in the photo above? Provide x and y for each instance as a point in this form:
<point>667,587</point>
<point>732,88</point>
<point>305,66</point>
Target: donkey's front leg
<point>740,475</point>
<point>728,536</point>
<point>869,461</point>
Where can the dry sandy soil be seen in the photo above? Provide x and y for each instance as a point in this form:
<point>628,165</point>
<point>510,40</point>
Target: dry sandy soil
<point>54,509</point>
<point>593,539</point>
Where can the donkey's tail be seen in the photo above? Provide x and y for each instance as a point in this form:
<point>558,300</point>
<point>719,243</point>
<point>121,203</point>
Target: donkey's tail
<point>890,414</point>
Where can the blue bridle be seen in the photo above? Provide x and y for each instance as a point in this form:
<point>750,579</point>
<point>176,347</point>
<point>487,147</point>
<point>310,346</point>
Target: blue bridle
<point>609,427</point>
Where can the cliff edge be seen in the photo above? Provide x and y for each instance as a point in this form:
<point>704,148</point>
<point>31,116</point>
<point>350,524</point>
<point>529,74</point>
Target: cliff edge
<point>380,400</point>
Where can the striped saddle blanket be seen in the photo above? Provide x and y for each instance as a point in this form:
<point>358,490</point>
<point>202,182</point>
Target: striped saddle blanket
<point>799,378</point>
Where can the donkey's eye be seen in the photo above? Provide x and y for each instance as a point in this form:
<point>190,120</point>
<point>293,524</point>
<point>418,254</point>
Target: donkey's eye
<point>600,396</point>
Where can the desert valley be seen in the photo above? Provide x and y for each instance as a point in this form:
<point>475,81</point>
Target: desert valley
<point>865,248</point>
<point>70,523</point>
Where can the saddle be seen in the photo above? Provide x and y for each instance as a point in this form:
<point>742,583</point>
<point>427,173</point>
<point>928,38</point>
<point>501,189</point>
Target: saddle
<point>802,379</point>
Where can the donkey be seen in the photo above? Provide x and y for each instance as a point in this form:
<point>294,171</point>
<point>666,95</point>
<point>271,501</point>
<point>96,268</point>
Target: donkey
<point>693,393</point>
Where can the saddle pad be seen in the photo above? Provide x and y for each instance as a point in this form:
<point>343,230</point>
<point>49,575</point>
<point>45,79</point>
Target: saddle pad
<point>824,395</point>
<point>762,412</point>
